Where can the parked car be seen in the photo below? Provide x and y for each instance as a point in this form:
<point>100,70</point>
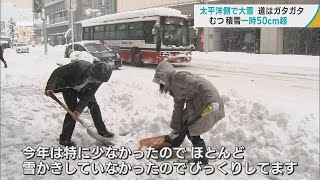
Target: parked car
<point>92,51</point>
<point>21,48</point>
<point>33,43</point>
<point>4,44</point>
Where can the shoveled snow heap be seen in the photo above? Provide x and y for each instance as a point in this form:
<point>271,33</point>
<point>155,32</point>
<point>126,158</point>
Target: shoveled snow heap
<point>133,109</point>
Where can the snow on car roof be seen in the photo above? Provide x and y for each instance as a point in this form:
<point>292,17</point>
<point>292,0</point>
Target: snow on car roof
<point>86,42</point>
<point>160,11</point>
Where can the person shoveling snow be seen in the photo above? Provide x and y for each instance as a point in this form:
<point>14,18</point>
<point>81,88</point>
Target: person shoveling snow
<point>204,108</point>
<point>80,79</point>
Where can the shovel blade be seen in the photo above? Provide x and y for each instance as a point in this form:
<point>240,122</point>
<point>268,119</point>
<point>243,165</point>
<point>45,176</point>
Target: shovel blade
<point>103,140</point>
<point>156,142</point>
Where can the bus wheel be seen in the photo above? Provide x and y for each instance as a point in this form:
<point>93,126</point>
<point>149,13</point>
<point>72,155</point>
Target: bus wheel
<point>136,57</point>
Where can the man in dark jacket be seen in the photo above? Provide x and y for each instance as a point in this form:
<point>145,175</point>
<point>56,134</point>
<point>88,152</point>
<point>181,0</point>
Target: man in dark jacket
<point>197,106</point>
<point>80,79</point>
<point>1,57</point>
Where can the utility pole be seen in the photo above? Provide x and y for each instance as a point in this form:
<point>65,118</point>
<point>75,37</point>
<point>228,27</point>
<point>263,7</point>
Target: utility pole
<point>71,5</point>
<point>93,7</point>
<point>72,32</point>
<point>44,28</point>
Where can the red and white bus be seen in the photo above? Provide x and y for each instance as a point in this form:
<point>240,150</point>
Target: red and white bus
<point>144,36</point>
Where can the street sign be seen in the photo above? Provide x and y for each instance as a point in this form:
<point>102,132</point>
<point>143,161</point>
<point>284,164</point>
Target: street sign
<point>71,5</point>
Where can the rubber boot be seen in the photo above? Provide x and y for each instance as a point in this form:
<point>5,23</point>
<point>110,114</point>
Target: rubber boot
<point>107,134</point>
<point>66,141</point>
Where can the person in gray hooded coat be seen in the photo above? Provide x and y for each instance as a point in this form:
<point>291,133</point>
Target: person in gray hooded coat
<point>192,96</point>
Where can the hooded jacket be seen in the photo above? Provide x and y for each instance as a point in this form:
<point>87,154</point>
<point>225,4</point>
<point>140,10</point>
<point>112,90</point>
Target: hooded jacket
<point>193,91</point>
<point>71,75</point>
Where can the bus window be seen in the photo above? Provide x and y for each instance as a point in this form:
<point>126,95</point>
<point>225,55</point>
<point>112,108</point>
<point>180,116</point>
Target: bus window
<point>148,32</point>
<point>136,30</point>
<point>91,30</point>
<point>98,32</point>
<point>122,31</point>
<point>110,31</point>
<point>86,33</point>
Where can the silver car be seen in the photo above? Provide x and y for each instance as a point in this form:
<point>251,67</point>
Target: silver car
<point>93,51</point>
<point>21,48</point>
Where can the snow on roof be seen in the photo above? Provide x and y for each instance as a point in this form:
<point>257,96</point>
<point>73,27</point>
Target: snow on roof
<point>86,42</point>
<point>141,13</point>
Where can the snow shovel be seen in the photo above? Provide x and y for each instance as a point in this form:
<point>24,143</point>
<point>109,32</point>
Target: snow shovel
<point>158,142</point>
<point>93,134</point>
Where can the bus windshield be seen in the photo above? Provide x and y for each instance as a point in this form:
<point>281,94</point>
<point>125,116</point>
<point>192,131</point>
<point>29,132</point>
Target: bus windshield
<point>175,34</point>
<point>96,48</point>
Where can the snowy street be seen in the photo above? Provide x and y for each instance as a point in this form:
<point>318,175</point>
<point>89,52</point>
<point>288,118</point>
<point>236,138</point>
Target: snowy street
<point>271,104</point>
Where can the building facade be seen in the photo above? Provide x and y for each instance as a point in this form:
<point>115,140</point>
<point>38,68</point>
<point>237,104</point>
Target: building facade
<point>59,19</point>
<point>5,38</point>
<point>266,40</point>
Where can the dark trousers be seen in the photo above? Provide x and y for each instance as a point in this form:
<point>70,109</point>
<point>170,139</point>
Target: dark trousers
<point>71,98</point>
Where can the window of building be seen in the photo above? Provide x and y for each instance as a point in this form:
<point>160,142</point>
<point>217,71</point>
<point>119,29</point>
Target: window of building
<point>240,39</point>
<point>301,41</point>
<point>109,6</point>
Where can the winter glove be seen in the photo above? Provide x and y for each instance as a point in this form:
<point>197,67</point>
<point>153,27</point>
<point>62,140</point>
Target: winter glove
<point>215,106</point>
<point>48,92</point>
<point>173,134</point>
<point>77,113</point>
<point>168,138</point>
<point>210,108</point>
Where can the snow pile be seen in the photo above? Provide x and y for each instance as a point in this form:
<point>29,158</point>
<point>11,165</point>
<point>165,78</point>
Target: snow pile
<point>132,108</point>
<point>269,136</point>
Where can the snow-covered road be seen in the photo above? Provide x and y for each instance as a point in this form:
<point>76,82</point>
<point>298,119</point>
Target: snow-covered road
<point>271,102</point>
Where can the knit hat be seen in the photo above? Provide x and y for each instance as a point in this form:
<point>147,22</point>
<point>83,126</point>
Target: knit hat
<point>101,71</point>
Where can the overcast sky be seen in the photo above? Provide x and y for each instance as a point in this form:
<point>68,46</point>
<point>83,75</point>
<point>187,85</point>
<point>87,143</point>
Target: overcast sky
<point>19,3</point>
<point>19,10</point>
